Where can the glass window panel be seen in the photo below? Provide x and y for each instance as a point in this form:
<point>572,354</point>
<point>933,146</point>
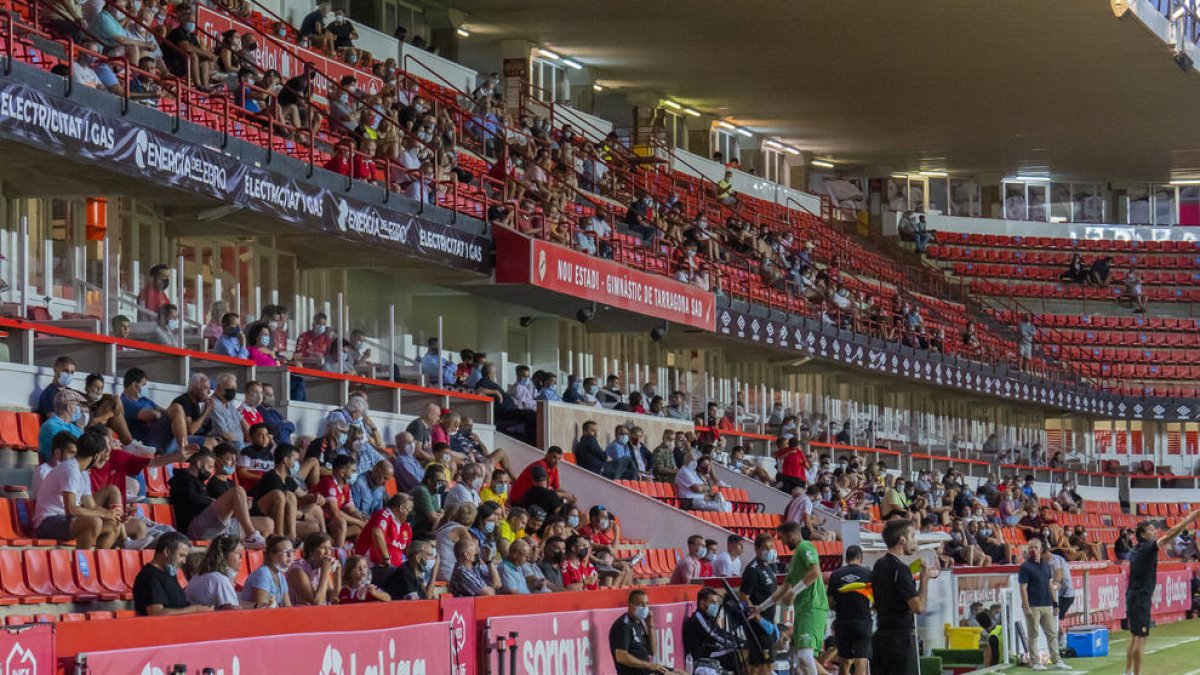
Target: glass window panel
<point>1139,204</point>
<point>1014,201</point>
<point>1164,205</point>
<point>939,194</point>
<point>1060,201</point>
<point>1189,205</point>
<point>1036,194</point>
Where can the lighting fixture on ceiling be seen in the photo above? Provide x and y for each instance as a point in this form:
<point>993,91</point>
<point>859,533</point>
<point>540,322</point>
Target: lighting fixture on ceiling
<point>745,132</point>
<point>572,63</point>
<point>693,113</point>
<point>934,174</point>
<point>1031,179</point>
<point>597,87</point>
<point>790,149</point>
<point>822,163</point>
<point>462,31</point>
<point>549,54</point>
<point>773,144</point>
<point>1186,181</point>
<point>671,104</point>
<point>726,125</point>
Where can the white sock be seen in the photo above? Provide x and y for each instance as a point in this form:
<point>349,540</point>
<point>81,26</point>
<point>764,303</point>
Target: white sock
<point>806,662</point>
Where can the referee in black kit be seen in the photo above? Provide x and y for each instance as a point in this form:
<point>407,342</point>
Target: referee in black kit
<point>1143,577</point>
<point>898,599</point>
<point>852,612</point>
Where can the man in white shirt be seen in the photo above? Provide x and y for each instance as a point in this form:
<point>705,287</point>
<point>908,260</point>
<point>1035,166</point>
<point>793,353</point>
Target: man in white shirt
<point>65,509</point>
<point>728,563</point>
<point>467,489</point>
<point>695,492</point>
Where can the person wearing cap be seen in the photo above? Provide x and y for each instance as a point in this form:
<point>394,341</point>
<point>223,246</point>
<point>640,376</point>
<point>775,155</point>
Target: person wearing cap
<point>67,417</point>
<point>540,494</point>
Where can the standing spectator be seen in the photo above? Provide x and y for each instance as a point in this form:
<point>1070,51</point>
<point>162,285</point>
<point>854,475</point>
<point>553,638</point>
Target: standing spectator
<point>1027,333</point>
<point>313,344</point>
<point>154,294</point>
<point>156,590</point>
<point>1037,601</point>
<point>728,563</point>
<point>212,583</point>
<point>1062,581</point>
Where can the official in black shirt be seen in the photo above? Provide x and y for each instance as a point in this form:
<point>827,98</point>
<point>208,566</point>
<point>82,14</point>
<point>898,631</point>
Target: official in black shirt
<point>852,612</point>
<point>758,584</point>
<point>631,639</point>
<point>898,599</point>
<point>1143,577</point>
<point>703,638</point>
<point>156,590</point>
<point>588,453</point>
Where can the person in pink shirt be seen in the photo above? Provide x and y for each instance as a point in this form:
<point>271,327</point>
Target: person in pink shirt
<point>154,293</point>
<point>689,566</point>
<point>446,427</point>
<point>259,343</point>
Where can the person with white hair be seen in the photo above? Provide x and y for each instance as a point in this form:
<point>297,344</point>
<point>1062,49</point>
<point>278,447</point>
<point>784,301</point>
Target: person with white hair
<point>68,417</point>
<point>227,421</point>
<point>188,419</point>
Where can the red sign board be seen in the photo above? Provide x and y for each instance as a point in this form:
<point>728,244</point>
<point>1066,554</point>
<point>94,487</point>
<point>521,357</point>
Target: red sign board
<point>27,650</point>
<point>272,56</point>
<point>460,614</point>
<point>577,642</point>
<point>423,648</point>
<point>520,259</point>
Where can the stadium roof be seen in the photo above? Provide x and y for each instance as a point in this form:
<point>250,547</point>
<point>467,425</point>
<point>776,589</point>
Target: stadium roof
<point>979,87</point>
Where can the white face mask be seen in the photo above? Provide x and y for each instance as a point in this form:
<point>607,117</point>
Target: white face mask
<point>476,483</point>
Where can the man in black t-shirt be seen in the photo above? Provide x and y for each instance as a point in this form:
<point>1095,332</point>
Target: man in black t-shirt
<point>278,495</point>
<point>758,584</point>
<point>898,599</point>
<point>631,639</point>
<point>186,420</point>
<point>201,515</point>
<point>414,579</point>
<point>852,612</point>
<point>184,55</point>
<point>156,590</point>
<point>1143,577</point>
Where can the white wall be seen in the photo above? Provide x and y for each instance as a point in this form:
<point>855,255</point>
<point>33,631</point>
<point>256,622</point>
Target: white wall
<point>1025,228</point>
<point>743,183</point>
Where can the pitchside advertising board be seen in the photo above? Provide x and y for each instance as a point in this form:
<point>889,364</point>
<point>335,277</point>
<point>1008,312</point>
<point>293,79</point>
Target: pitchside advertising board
<point>412,650</point>
<point>576,643</point>
<point>30,116</point>
<point>28,650</point>
<point>525,260</point>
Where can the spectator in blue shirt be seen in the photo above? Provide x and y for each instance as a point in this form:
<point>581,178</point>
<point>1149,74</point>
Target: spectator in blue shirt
<point>141,413</point>
<point>549,388</point>
<point>433,365</point>
<point>281,429</point>
<point>64,371</point>
<point>68,417</point>
<point>408,469</point>
<point>232,341</point>
<point>369,491</point>
<point>618,458</point>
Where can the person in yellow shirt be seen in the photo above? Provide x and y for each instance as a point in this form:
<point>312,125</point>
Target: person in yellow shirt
<point>498,490</point>
<point>511,529</point>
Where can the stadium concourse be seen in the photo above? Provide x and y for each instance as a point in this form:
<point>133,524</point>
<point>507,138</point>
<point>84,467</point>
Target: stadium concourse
<point>324,340</point>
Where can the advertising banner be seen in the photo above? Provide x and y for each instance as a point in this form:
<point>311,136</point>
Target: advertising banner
<point>604,282</point>
<point>1106,591</point>
<point>27,650</point>
<point>1173,593</point>
<point>459,613</point>
<point>412,650</point>
<point>31,116</point>
<point>570,643</point>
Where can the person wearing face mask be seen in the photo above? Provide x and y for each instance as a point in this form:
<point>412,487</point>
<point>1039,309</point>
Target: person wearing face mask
<point>281,428</point>
<point>704,640</point>
<point>212,581</point>
<point>166,327</point>
<point>386,537</point>
<point>227,421</point>
<point>631,639</point>
<point>232,341</point>
<point>64,373</point>
<point>281,497</point>
<point>68,417</point>
<point>342,33</point>
<point>189,58</point>
<point>64,507</point>
<point>259,340</point>
<point>694,487</point>
<point>156,590</point>
<point>497,490</point>
<point>619,463</point>
<point>333,443</point>
<point>408,469</point>
<point>416,579</point>
<point>577,571</point>
<point>467,489</point>
<point>342,519</point>
<point>154,294</point>
<point>313,344</point>
<point>267,586</point>
<point>427,500</point>
<point>204,514</point>
<point>591,390</point>
<point>758,584</point>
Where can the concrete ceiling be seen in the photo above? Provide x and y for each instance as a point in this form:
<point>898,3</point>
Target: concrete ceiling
<point>974,87</point>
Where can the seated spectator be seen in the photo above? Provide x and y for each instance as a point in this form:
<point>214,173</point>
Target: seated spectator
<point>313,344</point>
<point>511,528</point>
<point>386,537</point>
<point>1076,271</point>
<point>728,563</point>
<point>64,508</point>
<point>470,579</point>
<point>578,574</point>
<point>467,489</point>
<point>232,341</point>
<point>497,490</point>
<point>156,590</point>
<point>187,418</point>
<point>315,577</point>
<point>369,491</point>
<point>434,367</point>
<point>747,466</point>
<point>258,457</point>
<point>111,473</point>
<point>416,579</point>
<point>427,497</point>
<point>1068,500</point>
<point>212,581</point>
<point>455,526</point>
<point>204,517</point>
<point>267,586</point>
<point>357,585</point>
<point>662,460</point>
<point>1134,291</point>
<point>188,59</point>
<point>64,372</point>
<point>697,489</point>
<point>67,407</point>
<point>227,421</point>
<point>639,218</point>
<point>260,349</point>
<point>548,464</point>
<point>59,446</point>
<point>342,520</point>
<point>619,462</point>
<point>280,497</point>
<point>408,469</point>
<point>120,326</point>
<point>281,429</point>
<point>1100,270</point>
<point>141,413</point>
<point>90,69</point>
<point>517,576</point>
<point>588,453</point>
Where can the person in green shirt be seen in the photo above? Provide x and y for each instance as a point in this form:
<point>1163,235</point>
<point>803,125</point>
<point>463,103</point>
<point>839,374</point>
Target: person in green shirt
<point>427,501</point>
<point>805,588</point>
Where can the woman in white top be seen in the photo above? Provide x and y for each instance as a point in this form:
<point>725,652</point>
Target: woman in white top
<point>454,526</point>
<point>212,583</point>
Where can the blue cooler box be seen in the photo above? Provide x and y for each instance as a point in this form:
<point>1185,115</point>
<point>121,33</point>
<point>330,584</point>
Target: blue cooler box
<point>1088,640</point>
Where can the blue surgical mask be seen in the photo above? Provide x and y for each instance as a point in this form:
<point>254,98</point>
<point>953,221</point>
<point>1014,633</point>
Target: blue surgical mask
<point>77,414</point>
<point>64,379</point>
<point>623,439</point>
<point>428,566</point>
<point>770,556</point>
<point>641,612</point>
<point>712,610</point>
<point>171,570</point>
<point>341,437</point>
<point>593,389</point>
<point>489,527</point>
<point>227,470</point>
<point>573,521</point>
<point>264,340</point>
<point>190,26</point>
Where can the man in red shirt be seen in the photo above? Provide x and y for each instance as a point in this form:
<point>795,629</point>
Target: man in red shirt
<point>793,463</point>
<point>153,294</point>
<point>112,469</point>
<point>577,571</point>
<point>313,345</point>
<point>386,537</point>
<point>525,480</point>
<point>341,518</point>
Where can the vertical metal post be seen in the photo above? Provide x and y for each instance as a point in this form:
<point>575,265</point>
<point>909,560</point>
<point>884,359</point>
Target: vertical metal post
<point>341,335</point>
<point>440,336</point>
<point>391,339</point>
<point>105,291</point>
<point>24,260</point>
<point>512,653</point>
<point>181,299</point>
<point>48,272</point>
<point>200,313</point>
<point>502,651</point>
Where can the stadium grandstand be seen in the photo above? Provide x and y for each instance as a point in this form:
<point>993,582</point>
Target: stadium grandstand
<point>329,332</point>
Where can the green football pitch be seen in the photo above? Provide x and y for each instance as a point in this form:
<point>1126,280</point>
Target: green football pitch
<point>1173,649</point>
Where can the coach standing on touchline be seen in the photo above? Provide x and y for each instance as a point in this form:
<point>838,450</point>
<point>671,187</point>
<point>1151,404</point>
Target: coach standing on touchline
<point>1143,577</point>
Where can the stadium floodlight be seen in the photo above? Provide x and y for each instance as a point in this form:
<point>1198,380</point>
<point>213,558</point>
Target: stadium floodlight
<point>1185,181</point>
<point>671,104</point>
<point>934,174</point>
